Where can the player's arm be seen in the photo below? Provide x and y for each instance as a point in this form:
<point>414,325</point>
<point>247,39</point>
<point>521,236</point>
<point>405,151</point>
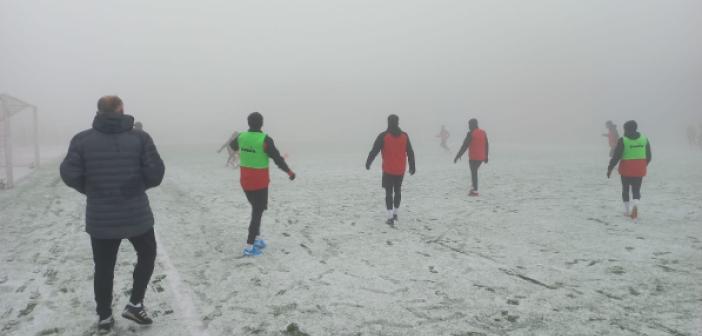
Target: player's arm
<point>464,147</point>
<point>377,147</point>
<point>273,153</point>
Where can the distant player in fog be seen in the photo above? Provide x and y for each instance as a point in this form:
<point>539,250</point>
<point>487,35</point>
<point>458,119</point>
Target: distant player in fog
<point>612,136</point>
<point>233,159</point>
<point>476,143</point>
<point>444,135</point>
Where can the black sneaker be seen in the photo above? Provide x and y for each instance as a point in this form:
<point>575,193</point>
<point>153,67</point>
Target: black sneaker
<point>105,326</point>
<point>394,217</point>
<point>137,314</point>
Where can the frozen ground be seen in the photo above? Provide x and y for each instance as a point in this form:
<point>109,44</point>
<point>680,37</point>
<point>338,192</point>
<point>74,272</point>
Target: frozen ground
<point>23,162</point>
<point>544,251</point>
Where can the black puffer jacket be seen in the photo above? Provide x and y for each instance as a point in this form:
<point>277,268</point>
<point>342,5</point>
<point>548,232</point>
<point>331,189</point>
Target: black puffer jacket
<point>113,164</point>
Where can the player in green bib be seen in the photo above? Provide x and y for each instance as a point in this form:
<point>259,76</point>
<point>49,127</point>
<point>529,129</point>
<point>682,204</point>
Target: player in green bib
<point>633,154</point>
<point>255,149</point>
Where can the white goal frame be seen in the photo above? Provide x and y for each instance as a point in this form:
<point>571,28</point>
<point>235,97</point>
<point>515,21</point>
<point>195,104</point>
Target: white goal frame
<point>9,107</point>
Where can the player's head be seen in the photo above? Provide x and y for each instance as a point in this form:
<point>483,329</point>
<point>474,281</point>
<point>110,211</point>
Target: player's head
<point>393,121</point>
<point>255,121</point>
<point>472,124</point>
<point>630,127</point>
<point>110,104</point>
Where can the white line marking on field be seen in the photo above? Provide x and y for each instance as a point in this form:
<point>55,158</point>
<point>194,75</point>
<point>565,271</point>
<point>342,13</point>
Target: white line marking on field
<point>181,293</point>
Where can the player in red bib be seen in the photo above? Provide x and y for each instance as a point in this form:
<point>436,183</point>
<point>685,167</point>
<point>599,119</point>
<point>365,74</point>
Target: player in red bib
<point>476,143</point>
<point>397,151</point>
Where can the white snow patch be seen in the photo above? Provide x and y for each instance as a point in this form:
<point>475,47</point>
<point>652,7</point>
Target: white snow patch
<point>181,293</point>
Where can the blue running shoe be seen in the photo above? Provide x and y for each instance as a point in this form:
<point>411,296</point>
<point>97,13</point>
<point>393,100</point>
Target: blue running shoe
<point>252,251</point>
<point>260,244</point>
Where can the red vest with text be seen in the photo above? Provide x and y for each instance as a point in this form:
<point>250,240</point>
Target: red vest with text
<point>476,150</point>
<point>395,154</point>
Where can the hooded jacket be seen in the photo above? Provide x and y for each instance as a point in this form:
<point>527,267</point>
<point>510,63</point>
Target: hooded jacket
<point>113,165</point>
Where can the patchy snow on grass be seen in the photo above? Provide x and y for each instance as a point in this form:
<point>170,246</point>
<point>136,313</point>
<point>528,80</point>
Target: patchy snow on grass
<point>545,250</point>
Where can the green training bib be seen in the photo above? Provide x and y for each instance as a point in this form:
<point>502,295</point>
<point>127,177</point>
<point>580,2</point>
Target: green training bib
<point>635,149</point>
<point>251,152</point>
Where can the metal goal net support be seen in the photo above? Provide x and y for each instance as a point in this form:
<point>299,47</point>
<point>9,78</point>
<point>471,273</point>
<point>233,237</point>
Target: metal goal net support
<point>19,140</point>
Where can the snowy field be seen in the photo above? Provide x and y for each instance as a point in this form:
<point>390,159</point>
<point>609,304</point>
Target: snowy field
<point>23,162</point>
<point>545,250</point>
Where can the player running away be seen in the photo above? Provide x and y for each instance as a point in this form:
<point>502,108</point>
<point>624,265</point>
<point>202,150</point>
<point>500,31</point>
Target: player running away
<point>634,152</point>
<point>692,135</point>
<point>396,152</point>
<point>612,136</point>
<point>255,148</point>
<point>476,143</point>
<point>233,159</point>
<point>444,135</point>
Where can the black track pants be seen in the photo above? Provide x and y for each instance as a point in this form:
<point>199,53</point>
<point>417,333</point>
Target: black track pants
<point>105,258</point>
<point>633,183</point>
<point>259,203</point>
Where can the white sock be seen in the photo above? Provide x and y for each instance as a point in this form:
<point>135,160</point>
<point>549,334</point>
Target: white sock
<point>390,213</point>
<point>636,203</point>
<point>138,305</point>
<point>626,208</point>
<point>395,211</point>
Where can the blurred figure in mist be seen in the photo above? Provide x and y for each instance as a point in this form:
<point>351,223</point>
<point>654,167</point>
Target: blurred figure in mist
<point>138,126</point>
<point>233,159</point>
<point>692,135</point>
<point>612,135</point>
<point>699,137</point>
<point>444,135</point>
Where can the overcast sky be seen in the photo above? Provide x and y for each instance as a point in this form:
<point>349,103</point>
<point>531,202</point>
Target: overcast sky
<point>325,71</point>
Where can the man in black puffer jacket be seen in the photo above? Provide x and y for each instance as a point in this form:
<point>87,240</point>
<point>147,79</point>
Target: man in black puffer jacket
<point>114,164</point>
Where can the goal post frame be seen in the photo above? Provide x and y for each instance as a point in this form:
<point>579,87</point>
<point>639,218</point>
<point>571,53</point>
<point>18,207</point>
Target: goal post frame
<point>10,106</point>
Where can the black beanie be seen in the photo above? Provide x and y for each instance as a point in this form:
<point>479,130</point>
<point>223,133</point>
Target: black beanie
<point>473,124</point>
<point>255,121</point>
<point>630,126</point>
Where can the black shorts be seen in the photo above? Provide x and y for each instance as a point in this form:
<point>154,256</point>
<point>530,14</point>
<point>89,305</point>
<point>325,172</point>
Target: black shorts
<point>392,181</point>
<point>258,198</point>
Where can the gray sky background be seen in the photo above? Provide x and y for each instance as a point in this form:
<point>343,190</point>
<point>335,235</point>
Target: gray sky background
<point>542,71</point>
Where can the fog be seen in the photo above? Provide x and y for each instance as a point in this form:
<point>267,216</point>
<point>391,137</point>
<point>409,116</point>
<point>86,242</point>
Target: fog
<point>327,73</point>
